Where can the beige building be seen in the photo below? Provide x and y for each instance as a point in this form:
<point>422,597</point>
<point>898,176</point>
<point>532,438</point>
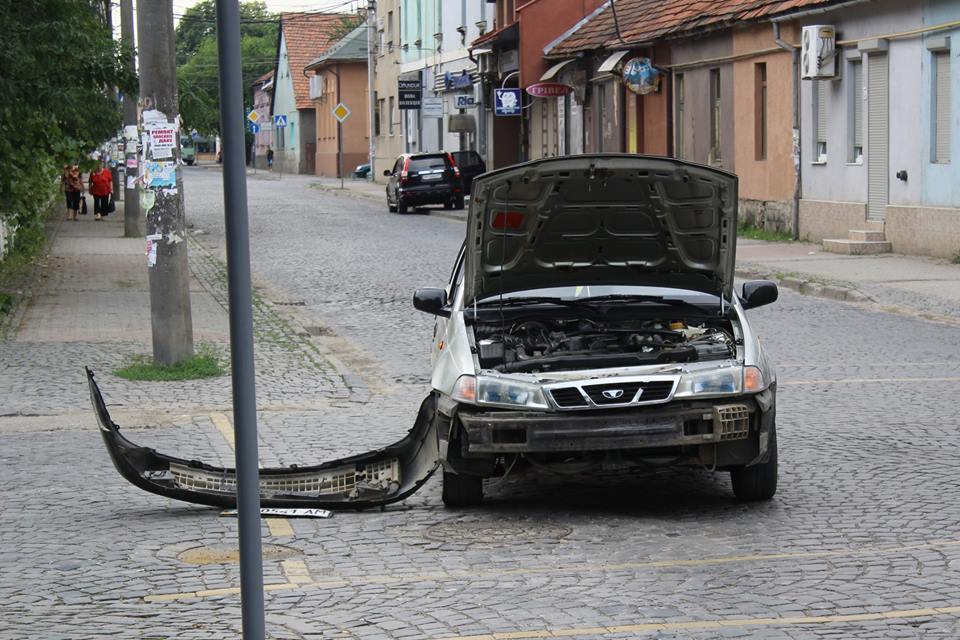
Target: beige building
<point>388,136</point>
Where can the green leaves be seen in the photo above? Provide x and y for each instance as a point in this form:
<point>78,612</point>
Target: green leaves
<point>59,64</point>
<point>198,64</point>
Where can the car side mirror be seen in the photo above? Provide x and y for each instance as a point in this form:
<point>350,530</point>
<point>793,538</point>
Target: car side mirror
<point>387,172</point>
<point>757,293</point>
<point>431,300</point>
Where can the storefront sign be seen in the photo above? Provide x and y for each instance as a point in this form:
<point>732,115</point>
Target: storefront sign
<point>506,102</point>
<point>432,107</point>
<point>641,77</point>
<point>409,94</point>
<point>464,102</point>
<point>457,80</point>
<point>549,89</point>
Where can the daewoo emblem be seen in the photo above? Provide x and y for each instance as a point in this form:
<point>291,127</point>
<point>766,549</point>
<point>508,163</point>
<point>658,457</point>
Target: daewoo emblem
<point>612,394</point>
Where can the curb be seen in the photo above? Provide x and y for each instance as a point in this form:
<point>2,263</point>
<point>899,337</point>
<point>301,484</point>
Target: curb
<point>803,286</point>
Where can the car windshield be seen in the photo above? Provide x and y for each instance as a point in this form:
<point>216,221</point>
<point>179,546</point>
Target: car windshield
<point>587,292</point>
<point>427,163</point>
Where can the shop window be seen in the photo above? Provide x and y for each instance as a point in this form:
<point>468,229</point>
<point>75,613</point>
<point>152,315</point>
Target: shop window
<point>820,90</point>
<point>680,119</point>
<point>715,114</point>
<point>377,110</point>
<point>855,112</point>
<point>760,110</point>
<point>390,115</point>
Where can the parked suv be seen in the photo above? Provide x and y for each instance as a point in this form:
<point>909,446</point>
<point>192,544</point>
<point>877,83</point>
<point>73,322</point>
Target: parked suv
<point>591,325</point>
<point>424,178</point>
<point>471,165</point>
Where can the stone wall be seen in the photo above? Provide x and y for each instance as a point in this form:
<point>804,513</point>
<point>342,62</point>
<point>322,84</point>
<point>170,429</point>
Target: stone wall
<point>821,219</point>
<point>928,231</point>
<point>772,215</point>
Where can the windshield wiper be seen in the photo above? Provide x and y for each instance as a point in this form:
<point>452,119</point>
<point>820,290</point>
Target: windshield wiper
<point>629,298</point>
<point>519,302</point>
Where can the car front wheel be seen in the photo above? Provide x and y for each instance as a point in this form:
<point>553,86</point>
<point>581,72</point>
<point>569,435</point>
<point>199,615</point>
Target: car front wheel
<point>462,491</point>
<point>459,203</point>
<point>757,482</point>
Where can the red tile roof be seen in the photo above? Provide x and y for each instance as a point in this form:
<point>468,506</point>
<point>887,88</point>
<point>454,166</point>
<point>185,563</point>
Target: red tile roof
<point>307,35</point>
<point>648,20</point>
<point>262,79</point>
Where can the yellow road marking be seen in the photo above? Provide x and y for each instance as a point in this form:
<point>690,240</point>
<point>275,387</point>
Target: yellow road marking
<point>713,624</point>
<point>585,568</point>
<point>278,527</point>
<point>867,380</point>
<point>296,571</point>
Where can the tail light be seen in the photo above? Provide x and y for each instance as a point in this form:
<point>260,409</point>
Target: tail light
<point>453,165</point>
<point>404,174</point>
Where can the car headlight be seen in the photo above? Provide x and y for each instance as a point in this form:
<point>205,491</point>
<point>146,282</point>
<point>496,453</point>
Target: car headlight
<point>721,382</point>
<point>498,392</point>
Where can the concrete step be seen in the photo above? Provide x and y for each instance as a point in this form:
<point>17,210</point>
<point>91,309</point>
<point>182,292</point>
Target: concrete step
<point>856,247</point>
<point>866,235</point>
<point>872,225</point>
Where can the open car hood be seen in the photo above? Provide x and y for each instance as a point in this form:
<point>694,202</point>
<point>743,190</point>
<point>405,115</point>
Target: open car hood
<point>615,219</point>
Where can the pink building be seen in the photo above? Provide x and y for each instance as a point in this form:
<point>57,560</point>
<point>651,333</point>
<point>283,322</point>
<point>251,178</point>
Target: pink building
<point>262,91</point>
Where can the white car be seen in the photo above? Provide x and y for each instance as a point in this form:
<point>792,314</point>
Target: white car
<point>590,323</point>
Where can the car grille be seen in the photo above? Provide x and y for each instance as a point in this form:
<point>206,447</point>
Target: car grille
<point>618,393</point>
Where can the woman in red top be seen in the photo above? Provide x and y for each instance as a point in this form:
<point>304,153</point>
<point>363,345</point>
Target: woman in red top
<point>101,186</point>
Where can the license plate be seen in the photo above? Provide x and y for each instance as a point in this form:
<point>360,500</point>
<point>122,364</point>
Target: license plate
<point>431,176</point>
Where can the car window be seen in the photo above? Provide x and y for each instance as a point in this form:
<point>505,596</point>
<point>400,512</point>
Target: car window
<point>467,158</point>
<point>396,165</point>
<point>427,163</point>
<point>456,276</point>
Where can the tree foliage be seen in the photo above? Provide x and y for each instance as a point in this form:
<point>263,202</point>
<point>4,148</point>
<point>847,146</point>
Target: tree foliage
<point>59,63</point>
<point>197,62</point>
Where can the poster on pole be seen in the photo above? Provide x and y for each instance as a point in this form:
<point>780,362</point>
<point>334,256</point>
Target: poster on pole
<point>162,140</point>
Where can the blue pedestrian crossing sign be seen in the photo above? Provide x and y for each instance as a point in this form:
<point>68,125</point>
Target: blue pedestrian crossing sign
<point>254,127</point>
<point>279,121</point>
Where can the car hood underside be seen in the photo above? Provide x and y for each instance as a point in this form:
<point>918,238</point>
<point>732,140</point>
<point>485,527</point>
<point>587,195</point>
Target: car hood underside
<point>613,219</point>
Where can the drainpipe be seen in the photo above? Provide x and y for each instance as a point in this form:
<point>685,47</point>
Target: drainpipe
<point>795,102</point>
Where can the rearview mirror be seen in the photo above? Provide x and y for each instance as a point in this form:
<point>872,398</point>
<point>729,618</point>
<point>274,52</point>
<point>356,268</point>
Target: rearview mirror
<point>757,293</point>
<point>431,300</point>
<point>387,172</point>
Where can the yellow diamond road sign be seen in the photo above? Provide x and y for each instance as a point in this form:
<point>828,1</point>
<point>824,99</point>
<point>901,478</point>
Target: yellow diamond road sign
<point>341,112</point>
<point>253,116</point>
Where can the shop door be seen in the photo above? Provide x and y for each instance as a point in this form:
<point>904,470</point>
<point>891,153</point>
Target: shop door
<point>878,155</point>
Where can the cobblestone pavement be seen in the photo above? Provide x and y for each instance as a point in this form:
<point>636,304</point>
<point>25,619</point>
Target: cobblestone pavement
<point>861,540</point>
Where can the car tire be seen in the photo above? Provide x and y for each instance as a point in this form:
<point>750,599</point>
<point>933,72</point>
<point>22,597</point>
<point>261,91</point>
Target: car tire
<point>401,207</point>
<point>461,490</point>
<point>759,481</point>
<point>391,207</point>
<point>459,203</point>
<point>448,204</point>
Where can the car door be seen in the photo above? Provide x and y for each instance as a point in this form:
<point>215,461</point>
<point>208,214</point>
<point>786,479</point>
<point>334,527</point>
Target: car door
<point>392,181</point>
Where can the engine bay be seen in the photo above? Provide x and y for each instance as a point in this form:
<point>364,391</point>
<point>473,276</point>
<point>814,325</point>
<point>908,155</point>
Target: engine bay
<point>534,345</point>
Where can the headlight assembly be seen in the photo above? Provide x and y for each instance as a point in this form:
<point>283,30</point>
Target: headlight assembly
<point>499,392</point>
<point>724,381</point>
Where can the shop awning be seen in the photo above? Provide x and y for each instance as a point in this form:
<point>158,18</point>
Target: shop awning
<point>552,72</point>
<point>611,62</point>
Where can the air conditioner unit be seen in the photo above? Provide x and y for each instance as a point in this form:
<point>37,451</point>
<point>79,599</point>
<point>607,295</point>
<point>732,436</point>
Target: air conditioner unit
<point>818,52</point>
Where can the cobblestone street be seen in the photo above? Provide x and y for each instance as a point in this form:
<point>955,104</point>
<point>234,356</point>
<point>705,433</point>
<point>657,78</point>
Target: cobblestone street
<point>861,540</point>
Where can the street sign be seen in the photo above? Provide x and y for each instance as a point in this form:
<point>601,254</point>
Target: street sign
<point>465,102</point>
<point>341,112</point>
<point>279,121</point>
<point>409,93</point>
<point>432,107</point>
<point>506,102</point>
<point>549,89</point>
<point>254,128</point>
<point>254,116</point>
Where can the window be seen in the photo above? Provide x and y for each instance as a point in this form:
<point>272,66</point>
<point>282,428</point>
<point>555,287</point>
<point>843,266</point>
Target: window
<point>820,89</point>
<point>390,115</point>
<point>390,31</point>
<point>760,110</point>
<point>377,109</point>
<point>715,156</point>
<point>681,108</point>
<point>940,145</point>
<point>855,111</point>
<point>381,114</point>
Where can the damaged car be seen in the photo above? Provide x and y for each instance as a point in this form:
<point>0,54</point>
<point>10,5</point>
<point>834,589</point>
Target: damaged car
<point>590,324</point>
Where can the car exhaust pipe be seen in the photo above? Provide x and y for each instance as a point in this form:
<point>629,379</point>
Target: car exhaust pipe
<point>373,479</point>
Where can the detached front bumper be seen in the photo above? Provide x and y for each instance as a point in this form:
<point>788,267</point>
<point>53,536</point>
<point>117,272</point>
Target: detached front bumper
<point>677,424</point>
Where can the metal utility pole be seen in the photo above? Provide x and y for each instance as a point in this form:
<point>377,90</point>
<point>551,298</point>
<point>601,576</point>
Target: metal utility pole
<point>241,318</point>
<point>371,94</point>
<point>170,316</point>
<point>131,135</point>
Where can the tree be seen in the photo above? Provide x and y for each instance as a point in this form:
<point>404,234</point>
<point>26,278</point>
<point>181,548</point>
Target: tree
<point>197,62</point>
<point>60,60</point>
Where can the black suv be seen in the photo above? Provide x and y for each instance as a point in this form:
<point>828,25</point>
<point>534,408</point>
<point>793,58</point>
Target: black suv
<point>424,178</point>
<point>471,165</point>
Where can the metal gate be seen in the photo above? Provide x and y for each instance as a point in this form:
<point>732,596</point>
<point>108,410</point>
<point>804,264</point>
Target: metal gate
<point>878,117</point>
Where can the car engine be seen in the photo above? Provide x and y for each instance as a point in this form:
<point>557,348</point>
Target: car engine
<point>539,345</point>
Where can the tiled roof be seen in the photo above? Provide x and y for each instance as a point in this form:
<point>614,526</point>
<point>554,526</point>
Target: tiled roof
<point>648,20</point>
<point>307,35</point>
<point>262,79</point>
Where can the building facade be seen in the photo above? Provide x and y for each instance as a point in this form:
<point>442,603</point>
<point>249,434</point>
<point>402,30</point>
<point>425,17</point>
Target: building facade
<point>263,140</point>
<point>388,139</point>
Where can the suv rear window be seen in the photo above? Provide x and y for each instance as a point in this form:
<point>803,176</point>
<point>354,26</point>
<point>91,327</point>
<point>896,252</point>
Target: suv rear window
<point>427,163</point>
<point>467,158</point>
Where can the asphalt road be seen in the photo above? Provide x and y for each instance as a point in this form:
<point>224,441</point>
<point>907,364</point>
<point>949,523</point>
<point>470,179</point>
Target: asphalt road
<point>861,540</point>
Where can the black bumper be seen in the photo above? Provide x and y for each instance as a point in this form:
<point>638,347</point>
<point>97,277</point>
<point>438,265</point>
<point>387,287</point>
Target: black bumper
<point>419,195</point>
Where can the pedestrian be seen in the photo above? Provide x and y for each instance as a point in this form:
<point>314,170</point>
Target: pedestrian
<point>101,188</point>
<point>269,157</point>
<point>72,186</point>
